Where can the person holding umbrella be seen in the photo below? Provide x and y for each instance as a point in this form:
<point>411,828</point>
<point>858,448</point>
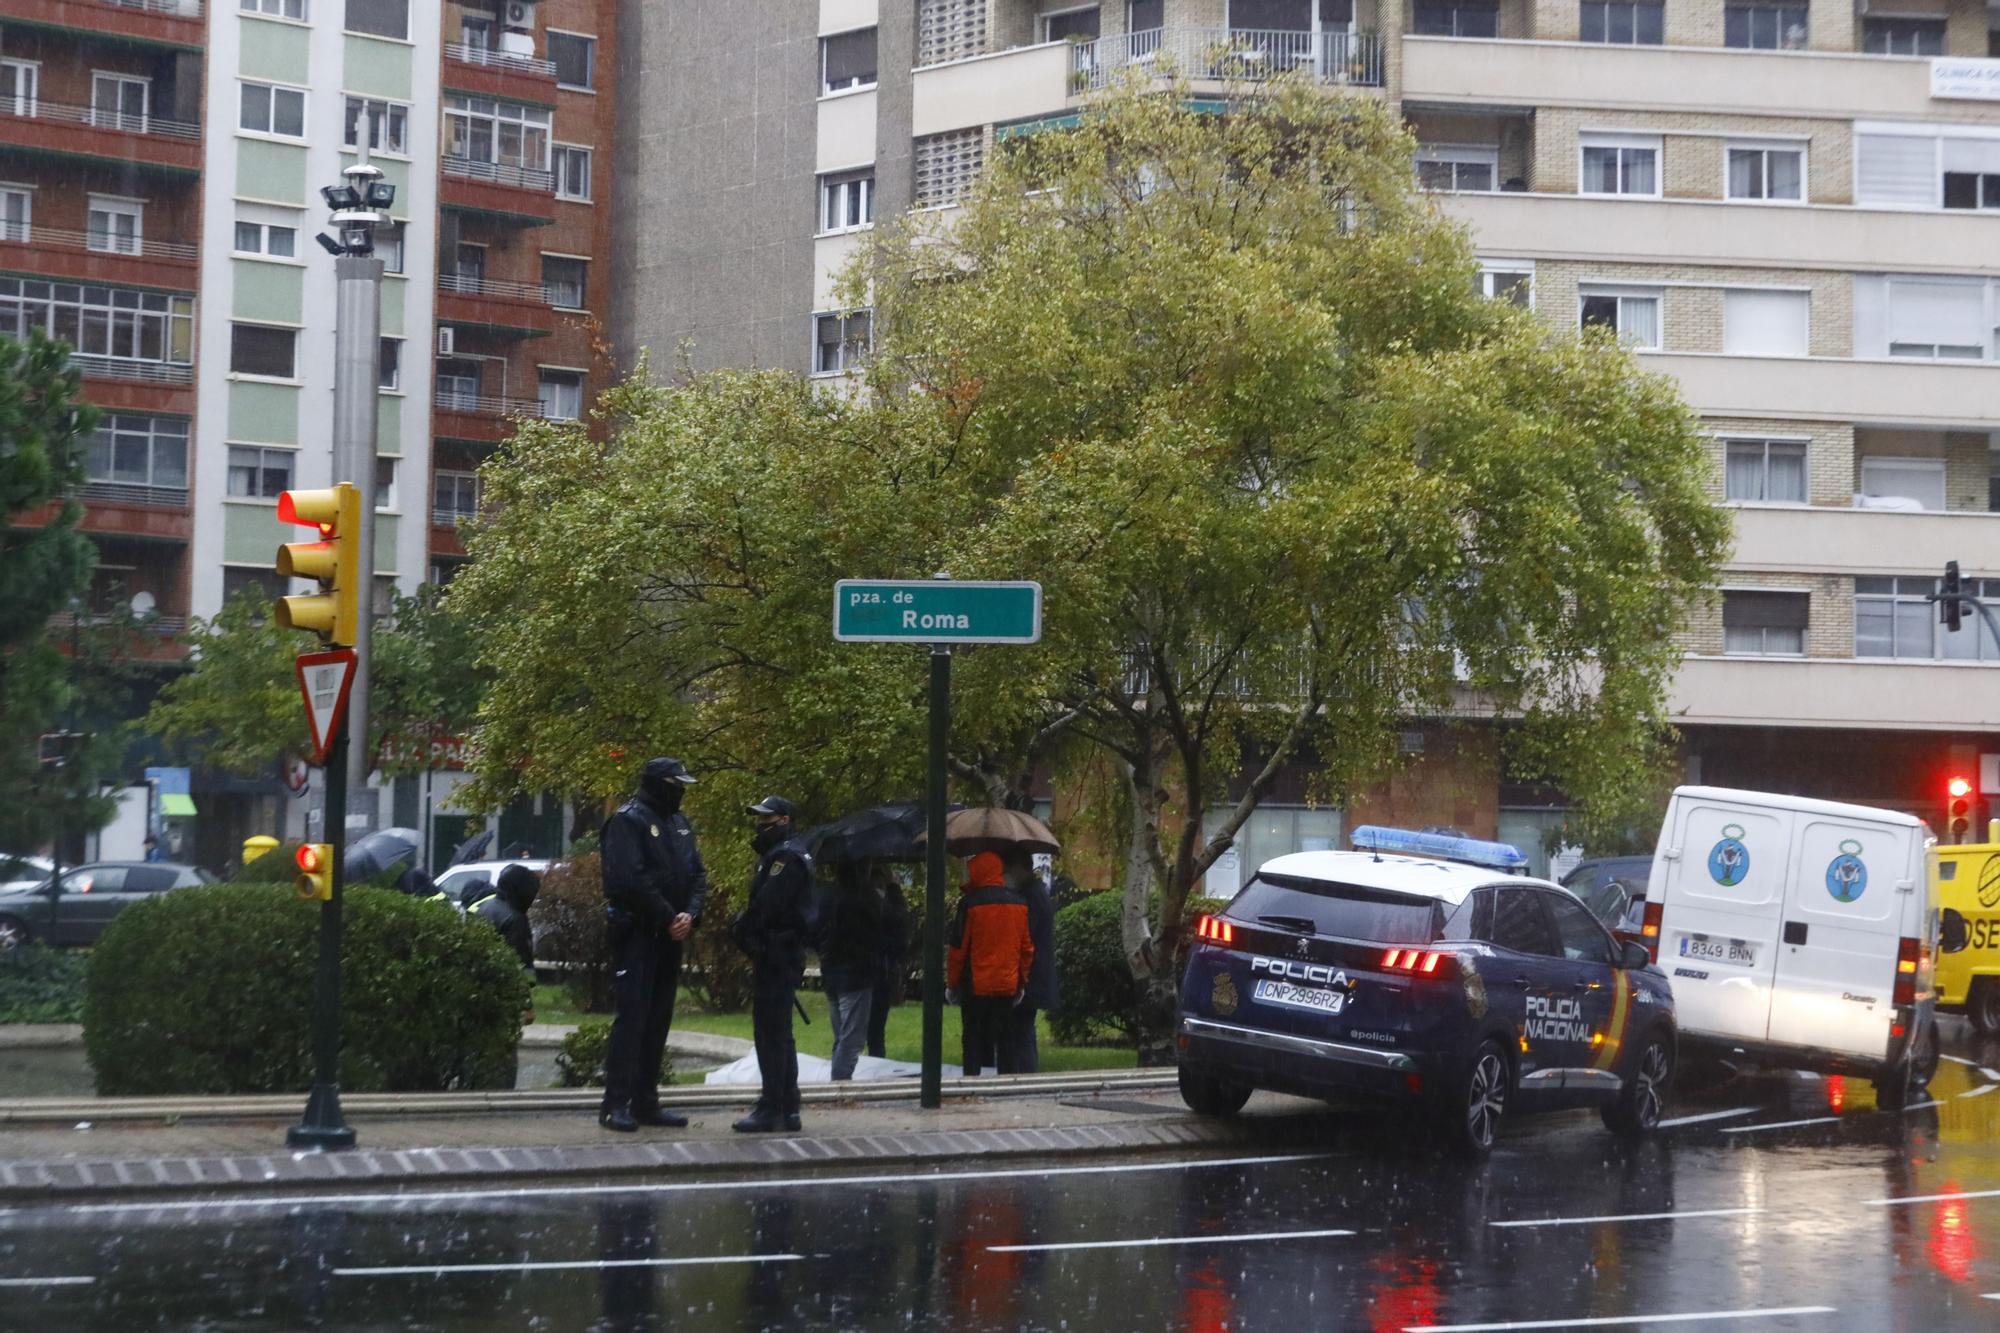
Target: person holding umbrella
<point>773,929</point>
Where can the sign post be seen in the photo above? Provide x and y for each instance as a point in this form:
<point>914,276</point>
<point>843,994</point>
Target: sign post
<point>940,612</point>
<point>324,680</point>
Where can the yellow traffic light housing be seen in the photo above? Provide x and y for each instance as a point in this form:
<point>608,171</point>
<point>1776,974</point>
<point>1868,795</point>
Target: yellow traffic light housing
<point>334,562</point>
<point>315,871</point>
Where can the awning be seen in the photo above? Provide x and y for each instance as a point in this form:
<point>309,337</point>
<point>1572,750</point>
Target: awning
<point>175,806</point>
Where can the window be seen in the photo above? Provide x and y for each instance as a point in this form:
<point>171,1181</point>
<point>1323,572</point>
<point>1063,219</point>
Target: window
<point>1513,285</point>
<point>17,212</point>
<point>1621,164</point>
<point>840,342</point>
<point>389,247</point>
<point>269,109</point>
<point>1764,624</point>
<point>1145,16</point>
<point>1759,171</point>
<point>847,201</point>
<point>1621,22</point>
<point>101,321</point>
<point>1457,18</point>
<point>458,384</point>
<point>1634,316</point>
<point>1764,27</point>
<point>115,226</point>
<point>454,496</point>
<point>18,82</point>
<point>847,60</point>
<point>267,238</point>
<point>1074,25</point>
<point>564,281</point>
<point>1758,323</point>
<point>1902,37</point>
<point>1458,170</point>
<point>1520,924</point>
<point>119,101</point>
<point>508,134</point>
<point>380,18</point>
<point>1902,169</point>
<point>1919,479</point>
<point>1582,939</point>
<point>572,167</point>
<point>389,372</point>
<point>1764,471</point>
<point>277,9</point>
<point>1894,617</point>
<point>261,349</point>
<point>385,484</point>
<point>561,394</point>
<point>471,263</point>
<point>1971,189</point>
<point>575,59</point>
<point>388,125</point>
<point>259,474</point>
<point>128,449</point>
<point>1936,319</point>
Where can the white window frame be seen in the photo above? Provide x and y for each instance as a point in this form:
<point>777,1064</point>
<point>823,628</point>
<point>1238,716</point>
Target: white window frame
<point>120,76</point>
<point>1489,269</point>
<point>559,154</point>
<point>115,206</point>
<point>1803,631</point>
<point>825,37</point>
<point>1983,649</point>
<point>575,259</point>
<point>393,114</point>
<point>1623,294</point>
<point>271,110</point>
<point>848,361</point>
<point>1653,143</point>
<point>836,186</point>
<point>386,472</point>
<point>274,9</point>
<point>1766,147</point>
<point>459,480</point>
<point>1764,443</point>
<point>289,452</point>
<point>1902,464</point>
<point>1767,6</point>
<point>590,37</point>
<point>264,228</point>
<point>26,194</point>
<point>26,104</point>
<point>1635,6</point>
<point>389,381</point>
<point>582,382</point>
<point>1457,155</point>
<point>533,121</point>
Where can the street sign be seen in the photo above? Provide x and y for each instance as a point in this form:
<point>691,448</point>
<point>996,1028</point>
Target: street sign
<point>940,611</point>
<point>324,679</point>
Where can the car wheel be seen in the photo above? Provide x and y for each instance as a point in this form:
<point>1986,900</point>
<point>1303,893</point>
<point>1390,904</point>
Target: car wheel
<point>1211,1094</point>
<point>1983,1008</point>
<point>1472,1114</point>
<point>13,932</point>
<point>1643,1100</point>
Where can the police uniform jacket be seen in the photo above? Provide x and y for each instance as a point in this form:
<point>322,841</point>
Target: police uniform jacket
<point>776,923</point>
<point>652,867</point>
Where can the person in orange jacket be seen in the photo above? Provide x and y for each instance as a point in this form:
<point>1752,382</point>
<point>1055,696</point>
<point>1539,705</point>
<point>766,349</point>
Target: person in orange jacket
<point>987,970</point>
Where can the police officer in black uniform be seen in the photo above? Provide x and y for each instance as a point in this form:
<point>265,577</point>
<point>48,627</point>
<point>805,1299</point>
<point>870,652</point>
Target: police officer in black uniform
<point>654,888</point>
<point>773,930</point>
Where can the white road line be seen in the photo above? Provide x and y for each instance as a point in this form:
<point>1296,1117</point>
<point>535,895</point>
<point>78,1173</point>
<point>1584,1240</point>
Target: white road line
<point>69,1281</point>
<point>739,1184</point>
<point>1781,1124</point>
<point>1709,1115</point>
<point>525,1266</point>
<point>1932,1198</point>
<point>1959,1060</point>
<point>1141,1241</point>
<point>1919,1106</point>
<point>1991,1296</point>
<point>1627,1217</point>
<point>1993,1074</point>
<point>1981,1090</point>
<point>1622,1321</point>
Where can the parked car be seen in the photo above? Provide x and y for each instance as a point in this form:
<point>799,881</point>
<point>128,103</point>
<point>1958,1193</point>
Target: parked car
<point>463,885</point>
<point>92,894</point>
<point>23,872</point>
<point>1613,889</point>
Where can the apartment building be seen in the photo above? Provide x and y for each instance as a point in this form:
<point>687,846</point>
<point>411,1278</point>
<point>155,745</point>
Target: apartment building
<point>1788,206</point>
<point>160,167</point>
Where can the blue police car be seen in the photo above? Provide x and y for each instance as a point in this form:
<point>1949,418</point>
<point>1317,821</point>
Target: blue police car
<point>1423,968</point>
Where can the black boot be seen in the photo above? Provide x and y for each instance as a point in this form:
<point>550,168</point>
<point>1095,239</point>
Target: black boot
<point>792,1124</point>
<point>660,1115</point>
<point>618,1118</point>
<point>759,1121</point>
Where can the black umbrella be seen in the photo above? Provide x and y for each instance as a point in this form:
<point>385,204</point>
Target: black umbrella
<point>472,849</point>
<point>878,833</point>
<point>379,852</point>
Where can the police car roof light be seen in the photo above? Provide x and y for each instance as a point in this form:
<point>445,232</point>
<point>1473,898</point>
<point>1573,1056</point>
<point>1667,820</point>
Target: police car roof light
<point>1444,846</point>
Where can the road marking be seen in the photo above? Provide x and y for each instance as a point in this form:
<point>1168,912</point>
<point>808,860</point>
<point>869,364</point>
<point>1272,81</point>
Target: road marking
<point>671,1187</point>
<point>69,1281</point>
<point>1918,1106</point>
<point>1627,1217</point>
<point>1166,1240</point>
<point>1959,1060</point>
<point>1710,1115</point>
<point>1781,1124</point>
<point>525,1266</point>
<point>1993,1074</point>
<point>1933,1198</point>
<point>1622,1321</point>
<point>1982,1090</point>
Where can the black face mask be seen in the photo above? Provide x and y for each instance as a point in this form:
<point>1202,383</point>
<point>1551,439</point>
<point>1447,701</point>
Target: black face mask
<point>663,795</point>
<point>764,839</point>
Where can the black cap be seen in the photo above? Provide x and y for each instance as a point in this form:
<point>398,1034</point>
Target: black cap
<point>666,770</point>
<point>773,805</point>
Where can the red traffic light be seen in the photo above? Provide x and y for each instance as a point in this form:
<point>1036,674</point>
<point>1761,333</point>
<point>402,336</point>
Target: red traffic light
<point>1958,787</point>
<point>309,858</point>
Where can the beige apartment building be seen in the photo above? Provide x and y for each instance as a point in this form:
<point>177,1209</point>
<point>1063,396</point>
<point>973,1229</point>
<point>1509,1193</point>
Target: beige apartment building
<point>1789,206</point>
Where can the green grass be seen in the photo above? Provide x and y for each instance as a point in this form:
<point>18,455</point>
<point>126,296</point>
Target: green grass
<point>904,1038</point>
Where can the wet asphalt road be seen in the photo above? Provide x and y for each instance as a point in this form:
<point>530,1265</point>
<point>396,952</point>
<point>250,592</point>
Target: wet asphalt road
<point>1793,1203</point>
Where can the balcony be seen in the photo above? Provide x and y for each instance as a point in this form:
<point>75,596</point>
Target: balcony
<point>64,130</point>
<point>131,371</point>
<point>1202,54</point>
<point>503,309</point>
<point>488,73</point>
<point>1774,539</point>
<point>77,256</point>
<point>1836,692</point>
<point>175,23</point>
<point>1927,394</point>
<point>516,196</point>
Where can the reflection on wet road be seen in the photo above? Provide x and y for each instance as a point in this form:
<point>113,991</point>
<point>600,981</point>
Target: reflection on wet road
<point>1774,1203</point>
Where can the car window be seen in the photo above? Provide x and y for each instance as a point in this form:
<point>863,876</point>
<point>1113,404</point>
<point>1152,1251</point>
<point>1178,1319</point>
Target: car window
<point>1471,919</point>
<point>1349,911</point>
<point>1583,940</point>
<point>1520,924</point>
<point>95,879</point>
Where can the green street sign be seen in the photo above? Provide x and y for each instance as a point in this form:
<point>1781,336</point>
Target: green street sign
<point>936,611</point>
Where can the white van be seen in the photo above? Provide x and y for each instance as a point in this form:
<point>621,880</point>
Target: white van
<point>1798,933</point>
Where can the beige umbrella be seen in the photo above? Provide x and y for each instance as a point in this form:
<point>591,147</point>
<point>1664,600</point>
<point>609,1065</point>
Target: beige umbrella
<point>989,828</point>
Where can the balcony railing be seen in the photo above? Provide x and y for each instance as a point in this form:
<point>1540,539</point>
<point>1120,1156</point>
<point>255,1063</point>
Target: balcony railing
<point>467,285</point>
<point>452,400</point>
<point>499,173</point>
<point>128,493</point>
<point>121,368</point>
<point>95,242</point>
<point>507,60</point>
<point>1237,53</point>
<point>102,118</point>
<point>451,518</point>
<point>187,9</point>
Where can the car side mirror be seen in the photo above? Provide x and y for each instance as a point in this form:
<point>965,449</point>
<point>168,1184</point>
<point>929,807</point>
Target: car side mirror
<point>1953,933</point>
<point>1633,957</point>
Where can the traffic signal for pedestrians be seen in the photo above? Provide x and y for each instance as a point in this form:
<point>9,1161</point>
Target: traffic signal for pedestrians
<point>1950,611</point>
<point>1958,811</point>
<point>315,871</point>
<point>334,562</point>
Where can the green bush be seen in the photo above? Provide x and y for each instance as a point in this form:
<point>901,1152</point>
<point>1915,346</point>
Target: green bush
<point>580,1063</point>
<point>210,990</point>
<point>41,985</point>
<point>280,866</point>
<point>1099,997</point>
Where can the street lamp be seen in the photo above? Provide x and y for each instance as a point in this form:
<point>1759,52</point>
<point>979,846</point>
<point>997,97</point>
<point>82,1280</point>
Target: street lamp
<point>358,207</point>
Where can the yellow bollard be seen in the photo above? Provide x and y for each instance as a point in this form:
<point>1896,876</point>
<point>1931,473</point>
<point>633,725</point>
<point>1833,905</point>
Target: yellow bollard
<point>255,847</point>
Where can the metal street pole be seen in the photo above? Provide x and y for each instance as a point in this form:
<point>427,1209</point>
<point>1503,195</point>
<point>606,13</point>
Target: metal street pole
<point>932,1091</point>
<point>323,1125</point>
<point>357,351</point>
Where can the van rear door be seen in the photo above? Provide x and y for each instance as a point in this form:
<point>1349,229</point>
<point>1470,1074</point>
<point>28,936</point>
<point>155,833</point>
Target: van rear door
<point>1836,958</point>
<point>1720,914</point>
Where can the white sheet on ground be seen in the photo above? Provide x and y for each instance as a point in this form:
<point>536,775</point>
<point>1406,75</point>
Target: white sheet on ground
<point>819,1069</point>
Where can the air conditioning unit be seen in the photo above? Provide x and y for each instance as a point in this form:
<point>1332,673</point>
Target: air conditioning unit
<point>444,340</point>
<point>518,14</point>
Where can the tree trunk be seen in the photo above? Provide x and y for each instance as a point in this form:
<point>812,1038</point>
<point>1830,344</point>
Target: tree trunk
<point>1150,956</point>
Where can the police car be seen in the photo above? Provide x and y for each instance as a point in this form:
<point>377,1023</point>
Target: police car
<point>1458,984</point>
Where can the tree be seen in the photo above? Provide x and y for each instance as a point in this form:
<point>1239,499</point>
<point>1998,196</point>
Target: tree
<point>1286,478</point>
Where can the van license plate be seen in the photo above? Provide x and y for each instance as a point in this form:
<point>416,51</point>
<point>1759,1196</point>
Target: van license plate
<point>1714,949</point>
<point>1298,997</point>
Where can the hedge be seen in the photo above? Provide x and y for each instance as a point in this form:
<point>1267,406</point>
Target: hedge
<point>210,990</point>
<point>1098,993</point>
<point>39,984</point>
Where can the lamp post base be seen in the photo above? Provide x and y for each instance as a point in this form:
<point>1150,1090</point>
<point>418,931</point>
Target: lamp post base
<point>323,1127</point>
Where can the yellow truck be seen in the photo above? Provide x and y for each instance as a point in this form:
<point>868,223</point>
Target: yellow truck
<point>1968,967</point>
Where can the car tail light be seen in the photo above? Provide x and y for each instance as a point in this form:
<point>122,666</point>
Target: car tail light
<point>1216,929</point>
<point>1417,962</point>
<point>1906,971</point>
<point>1649,930</point>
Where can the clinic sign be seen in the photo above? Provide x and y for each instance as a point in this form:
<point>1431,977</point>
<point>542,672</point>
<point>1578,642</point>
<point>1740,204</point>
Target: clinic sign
<point>939,611</point>
<point>1965,79</point>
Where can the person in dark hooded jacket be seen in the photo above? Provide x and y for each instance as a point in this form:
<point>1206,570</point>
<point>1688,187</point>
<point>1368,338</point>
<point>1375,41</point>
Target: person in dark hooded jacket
<point>506,910</point>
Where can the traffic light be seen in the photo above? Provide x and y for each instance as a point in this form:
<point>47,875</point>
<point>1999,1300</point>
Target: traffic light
<point>334,561</point>
<point>315,871</point>
<point>1950,610</point>
<point>1958,811</point>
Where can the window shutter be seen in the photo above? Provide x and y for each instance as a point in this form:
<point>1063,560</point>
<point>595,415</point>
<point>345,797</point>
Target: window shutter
<point>1764,610</point>
<point>1936,312</point>
<point>1764,323</point>
<point>1896,169</point>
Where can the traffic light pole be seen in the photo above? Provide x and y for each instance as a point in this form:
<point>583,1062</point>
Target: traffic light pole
<point>323,1126</point>
<point>357,352</point>
<point>931,1093</point>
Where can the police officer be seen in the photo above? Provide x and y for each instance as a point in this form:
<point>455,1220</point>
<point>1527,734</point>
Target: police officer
<point>654,888</point>
<point>773,930</point>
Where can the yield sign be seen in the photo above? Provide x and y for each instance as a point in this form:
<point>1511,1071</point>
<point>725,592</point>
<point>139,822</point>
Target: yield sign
<point>324,679</point>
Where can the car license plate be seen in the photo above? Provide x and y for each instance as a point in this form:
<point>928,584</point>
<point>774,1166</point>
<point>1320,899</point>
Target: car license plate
<point>1298,997</point>
<point>1715,949</point>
